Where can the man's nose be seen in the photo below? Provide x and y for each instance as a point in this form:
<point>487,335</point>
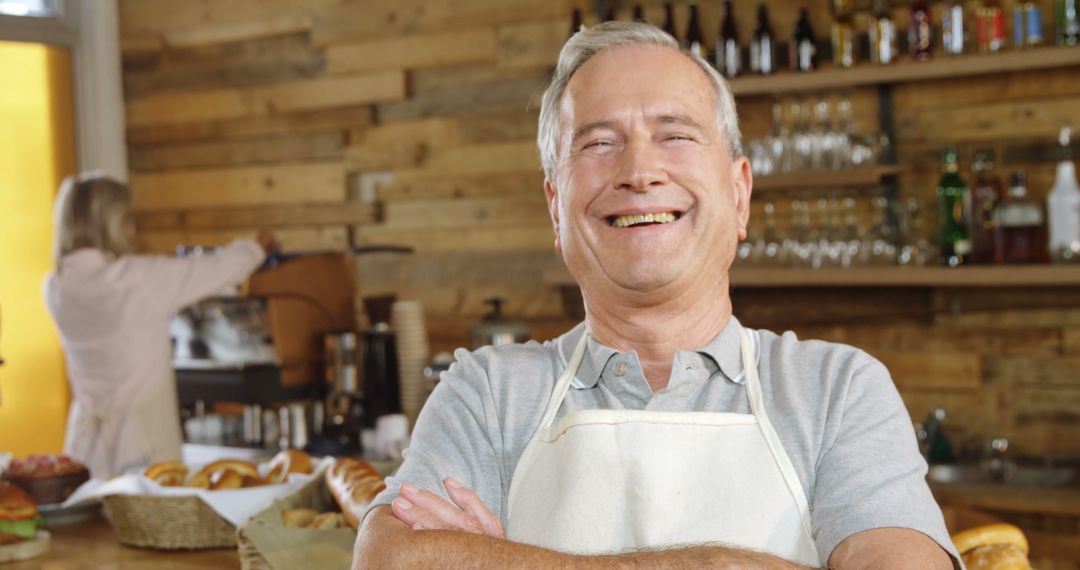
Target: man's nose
<point>640,167</point>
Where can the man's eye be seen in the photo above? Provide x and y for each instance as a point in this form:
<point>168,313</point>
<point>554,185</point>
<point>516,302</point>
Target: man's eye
<point>598,144</point>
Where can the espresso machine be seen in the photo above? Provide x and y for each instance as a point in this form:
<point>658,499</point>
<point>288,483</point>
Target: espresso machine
<point>362,372</point>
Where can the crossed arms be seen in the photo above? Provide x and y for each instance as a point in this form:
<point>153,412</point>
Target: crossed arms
<point>421,529</point>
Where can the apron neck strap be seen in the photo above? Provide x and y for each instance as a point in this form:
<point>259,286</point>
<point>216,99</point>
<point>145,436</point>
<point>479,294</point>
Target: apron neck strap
<point>563,383</point>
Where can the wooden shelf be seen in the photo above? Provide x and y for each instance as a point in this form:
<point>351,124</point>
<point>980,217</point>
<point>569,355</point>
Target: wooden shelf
<point>853,178</point>
<point>905,71</point>
<point>995,276</point>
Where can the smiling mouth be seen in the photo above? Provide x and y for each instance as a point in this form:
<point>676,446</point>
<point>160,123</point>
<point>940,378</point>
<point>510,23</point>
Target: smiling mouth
<point>634,220</point>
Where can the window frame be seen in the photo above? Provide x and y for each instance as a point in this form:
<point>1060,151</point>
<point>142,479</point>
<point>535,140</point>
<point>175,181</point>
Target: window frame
<point>90,31</point>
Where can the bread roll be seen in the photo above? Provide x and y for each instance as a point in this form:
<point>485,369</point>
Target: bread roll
<point>353,483</point>
<point>288,461</point>
<point>993,547</point>
<point>298,518</point>
<point>167,473</point>
<point>226,479</point>
<point>238,465</point>
<point>329,520</point>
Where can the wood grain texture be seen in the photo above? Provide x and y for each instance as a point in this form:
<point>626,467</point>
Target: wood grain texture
<point>321,238</point>
<point>385,18</point>
<point>413,51</point>
<point>263,150</point>
<point>239,186</point>
<point>933,369</point>
<point>266,217</point>
<point>329,120</point>
<point>325,93</point>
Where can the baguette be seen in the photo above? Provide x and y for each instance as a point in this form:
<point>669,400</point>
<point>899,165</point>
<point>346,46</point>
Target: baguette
<point>353,483</point>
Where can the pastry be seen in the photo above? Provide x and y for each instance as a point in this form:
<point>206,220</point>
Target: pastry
<point>993,547</point>
<point>353,483</point>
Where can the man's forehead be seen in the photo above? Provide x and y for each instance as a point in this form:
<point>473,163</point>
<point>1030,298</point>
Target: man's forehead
<point>666,80</point>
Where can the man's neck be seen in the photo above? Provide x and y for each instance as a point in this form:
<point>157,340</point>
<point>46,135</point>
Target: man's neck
<point>657,331</point>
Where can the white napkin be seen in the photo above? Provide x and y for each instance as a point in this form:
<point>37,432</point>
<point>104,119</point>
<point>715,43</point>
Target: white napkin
<point>234,505</point>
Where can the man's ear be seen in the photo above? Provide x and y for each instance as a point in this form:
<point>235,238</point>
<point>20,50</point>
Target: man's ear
<point>742,184</point>
<point>552,196</point>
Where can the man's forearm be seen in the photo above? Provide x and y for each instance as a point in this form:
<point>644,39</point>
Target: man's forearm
<point>384,542</point>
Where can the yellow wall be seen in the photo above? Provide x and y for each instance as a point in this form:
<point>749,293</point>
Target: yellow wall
<point>36,152</point>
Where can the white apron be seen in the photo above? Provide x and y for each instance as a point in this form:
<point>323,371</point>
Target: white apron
<point>605,481</point>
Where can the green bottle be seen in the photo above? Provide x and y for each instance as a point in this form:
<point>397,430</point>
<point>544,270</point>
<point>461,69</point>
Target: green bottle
<point>1068,22</point>
<point>953,199</point>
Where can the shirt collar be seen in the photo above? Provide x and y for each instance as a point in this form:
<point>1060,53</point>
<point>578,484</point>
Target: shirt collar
<point>723,350</point>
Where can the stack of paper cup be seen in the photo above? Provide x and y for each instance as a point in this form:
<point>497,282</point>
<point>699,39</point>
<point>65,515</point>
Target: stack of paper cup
<point>407,320</point>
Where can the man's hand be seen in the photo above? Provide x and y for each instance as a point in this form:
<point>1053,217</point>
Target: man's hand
<point>424,510</point>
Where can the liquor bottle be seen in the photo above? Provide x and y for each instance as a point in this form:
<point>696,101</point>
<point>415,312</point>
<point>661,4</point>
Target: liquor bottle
<point>728,54</point>
<point>986,190</point>
<point>694,40</point>
<point>575,21</point>
<point>883,40</point>
<point>1033,19</point>
<point>920,36</point>
<point>669,20</point>
<point>1068,22</point>
<point>608,14</point>
<point>952,28</point>
<point>802,51</point>
<point>1063,206</point>
<point>990,27</point>
<point>639,14</point>
<point>1019,226</point>
<point>762,48</point>
<point>843,34</point>
<point>954,241</point>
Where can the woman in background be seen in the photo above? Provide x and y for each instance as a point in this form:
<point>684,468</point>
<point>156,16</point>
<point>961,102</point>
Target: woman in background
<point>112,309</point>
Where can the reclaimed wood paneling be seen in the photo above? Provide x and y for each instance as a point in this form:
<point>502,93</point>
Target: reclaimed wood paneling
<point>266,217</point>
<point>341,120</point>
<point>413,51</point>
<point>325,93</point>
<point>336,123</point>
<point>292,239</point>
<point>239,186</point>
<point>933,369</point>
<point>387,18</point>
<point>420,185</point>
<point>263,150</point>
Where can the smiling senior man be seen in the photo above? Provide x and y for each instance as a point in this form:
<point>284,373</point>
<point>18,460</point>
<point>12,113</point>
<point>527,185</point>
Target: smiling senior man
<point>659,432</point>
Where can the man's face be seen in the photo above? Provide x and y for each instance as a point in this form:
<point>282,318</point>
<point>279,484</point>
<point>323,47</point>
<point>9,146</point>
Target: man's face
<point>646,196</point>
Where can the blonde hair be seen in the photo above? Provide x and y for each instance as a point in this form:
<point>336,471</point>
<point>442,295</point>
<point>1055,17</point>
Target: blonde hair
<point>588,42</point>
<point>91,212</point>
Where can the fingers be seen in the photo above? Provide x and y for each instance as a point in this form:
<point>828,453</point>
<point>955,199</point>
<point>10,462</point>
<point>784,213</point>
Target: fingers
<point>470,502</point>
<point>424,510</point>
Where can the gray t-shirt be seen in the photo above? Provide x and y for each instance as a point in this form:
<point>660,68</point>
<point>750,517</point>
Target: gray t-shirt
<point>834,407</point>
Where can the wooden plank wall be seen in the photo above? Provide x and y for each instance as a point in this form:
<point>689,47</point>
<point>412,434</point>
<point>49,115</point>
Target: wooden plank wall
<point>338,122</point>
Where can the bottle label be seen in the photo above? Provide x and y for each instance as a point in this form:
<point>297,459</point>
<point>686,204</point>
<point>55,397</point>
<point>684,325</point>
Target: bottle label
<point>962,246</point>
<point>806,55</point>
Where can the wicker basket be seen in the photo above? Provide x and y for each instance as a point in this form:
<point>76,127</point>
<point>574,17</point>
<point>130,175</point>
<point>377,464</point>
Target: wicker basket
<point>169,523</point>
<point>313,495</point>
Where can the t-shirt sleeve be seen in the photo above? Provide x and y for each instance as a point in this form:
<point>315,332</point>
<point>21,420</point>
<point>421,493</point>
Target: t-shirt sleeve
<point>456,435</point>
<point>872,475</point>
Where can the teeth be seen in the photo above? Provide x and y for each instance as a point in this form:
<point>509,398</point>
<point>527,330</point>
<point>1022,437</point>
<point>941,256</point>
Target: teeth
<point>635,219</point>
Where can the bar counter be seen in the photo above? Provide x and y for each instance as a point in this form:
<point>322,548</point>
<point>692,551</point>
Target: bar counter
<point>93,544</point>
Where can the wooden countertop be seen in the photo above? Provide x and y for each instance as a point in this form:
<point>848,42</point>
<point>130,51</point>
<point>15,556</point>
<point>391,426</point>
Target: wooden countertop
<point>93,544</point>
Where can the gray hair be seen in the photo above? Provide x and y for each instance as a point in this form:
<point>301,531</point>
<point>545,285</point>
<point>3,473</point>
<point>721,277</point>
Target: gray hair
<point>588,42</point>
<point>90,212</point>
